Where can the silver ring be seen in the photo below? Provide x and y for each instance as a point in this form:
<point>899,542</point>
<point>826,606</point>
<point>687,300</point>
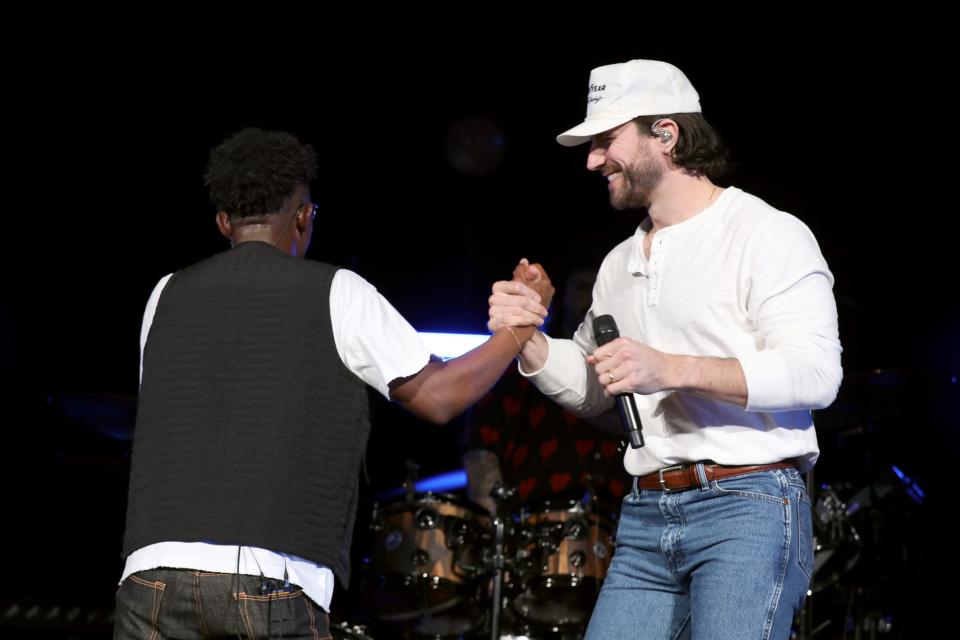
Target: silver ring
<point>612,379</point>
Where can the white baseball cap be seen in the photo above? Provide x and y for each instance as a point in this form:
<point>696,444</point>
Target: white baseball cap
<point>618,93</point>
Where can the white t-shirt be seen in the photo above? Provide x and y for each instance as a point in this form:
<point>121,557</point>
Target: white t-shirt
<point>378,345</point>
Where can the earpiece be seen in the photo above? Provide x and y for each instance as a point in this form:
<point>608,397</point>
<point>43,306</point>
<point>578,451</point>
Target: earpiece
<point>663,134</point>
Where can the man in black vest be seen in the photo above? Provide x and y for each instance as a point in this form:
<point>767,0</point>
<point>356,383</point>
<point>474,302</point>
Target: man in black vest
<point>253,415</point>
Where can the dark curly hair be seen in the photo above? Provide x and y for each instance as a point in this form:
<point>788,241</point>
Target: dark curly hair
<point>699,148</point>
<point>253,172</point>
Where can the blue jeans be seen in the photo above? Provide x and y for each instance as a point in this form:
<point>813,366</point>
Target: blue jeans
<point>179,603</point>
<point>729,559</point>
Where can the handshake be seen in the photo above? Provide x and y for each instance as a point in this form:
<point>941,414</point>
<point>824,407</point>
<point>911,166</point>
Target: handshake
<point>522,301</point>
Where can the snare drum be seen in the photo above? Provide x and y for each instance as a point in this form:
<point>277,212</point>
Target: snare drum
<point>427,565</point>
<point>561,564</point>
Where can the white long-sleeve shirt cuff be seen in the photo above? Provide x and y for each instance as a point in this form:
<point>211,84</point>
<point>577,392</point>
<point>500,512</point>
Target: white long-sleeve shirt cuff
<point>769,387</point>
<point>564,378</point>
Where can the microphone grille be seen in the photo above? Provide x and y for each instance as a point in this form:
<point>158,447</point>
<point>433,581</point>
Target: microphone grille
<point>605,329</point>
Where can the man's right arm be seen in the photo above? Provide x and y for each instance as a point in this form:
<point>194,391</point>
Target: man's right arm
<point>442,390</point>
<point>563,376</point>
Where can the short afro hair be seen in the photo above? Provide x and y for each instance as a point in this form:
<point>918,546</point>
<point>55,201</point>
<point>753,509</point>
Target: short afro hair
<point>253,172</point>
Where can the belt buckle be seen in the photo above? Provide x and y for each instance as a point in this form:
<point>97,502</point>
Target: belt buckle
<point>663,483</point>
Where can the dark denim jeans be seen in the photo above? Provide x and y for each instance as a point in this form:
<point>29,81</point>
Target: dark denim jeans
<point>179,603</point>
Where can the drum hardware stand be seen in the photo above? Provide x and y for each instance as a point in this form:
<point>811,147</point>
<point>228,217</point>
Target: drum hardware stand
<point>593,508</point>
<point>590,500</point>
<point>500,494</point>
<point>410,482</point>
<point>805,631</point>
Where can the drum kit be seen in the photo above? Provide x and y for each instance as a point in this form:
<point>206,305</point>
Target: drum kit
<point>442,567</point>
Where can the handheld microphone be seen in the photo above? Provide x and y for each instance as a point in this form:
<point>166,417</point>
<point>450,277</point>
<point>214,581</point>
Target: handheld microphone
<point>605,330</point>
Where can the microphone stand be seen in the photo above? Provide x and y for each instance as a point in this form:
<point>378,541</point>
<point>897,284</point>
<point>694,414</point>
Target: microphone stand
<point>500,495</point>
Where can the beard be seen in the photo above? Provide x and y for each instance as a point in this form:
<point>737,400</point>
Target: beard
<point>637,182</point>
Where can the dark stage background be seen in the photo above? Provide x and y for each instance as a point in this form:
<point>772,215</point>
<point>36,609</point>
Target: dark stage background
<point>439,171</point>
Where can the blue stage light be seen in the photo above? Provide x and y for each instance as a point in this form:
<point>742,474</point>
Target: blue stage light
<point>451,345</point>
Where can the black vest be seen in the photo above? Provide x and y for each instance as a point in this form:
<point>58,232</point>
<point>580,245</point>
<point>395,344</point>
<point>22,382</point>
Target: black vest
<point>250,430</point>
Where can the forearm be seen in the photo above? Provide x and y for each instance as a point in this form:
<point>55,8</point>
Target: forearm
<point>443,390</point>
<point>534,354</point>
<point>778,380</point>
<point>715,378</point>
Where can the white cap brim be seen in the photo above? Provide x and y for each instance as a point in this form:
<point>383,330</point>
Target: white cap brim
<point>584,131</point>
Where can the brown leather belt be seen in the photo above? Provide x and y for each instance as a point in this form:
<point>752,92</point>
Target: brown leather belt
<point>684,476</point>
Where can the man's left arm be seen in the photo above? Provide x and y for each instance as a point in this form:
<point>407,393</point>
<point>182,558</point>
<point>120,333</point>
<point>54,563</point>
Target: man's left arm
<point>627,366</point>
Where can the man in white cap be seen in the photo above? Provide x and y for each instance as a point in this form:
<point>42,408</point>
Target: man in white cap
<point>729,339</point>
